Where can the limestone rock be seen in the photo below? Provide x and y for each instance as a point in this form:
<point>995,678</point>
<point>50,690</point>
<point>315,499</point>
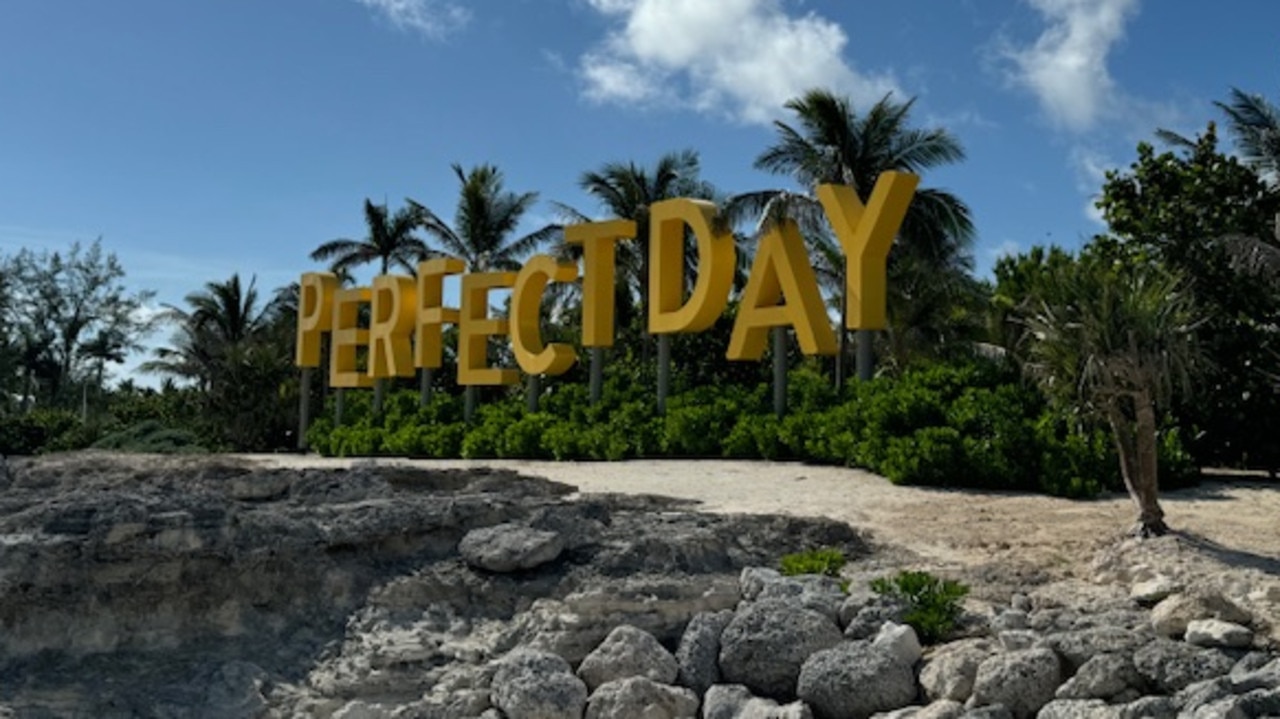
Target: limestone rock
<point>1017,639</point>
<point>1021,681</point>
<point>1152,591</point>
<point>819,593</point>
<point>734,701</point>
<point>628,652</point>
<point>1156,707</point>
<point>855,680</point>
<point>752,581</point>
<point>509,547</point>
<point>1011,619</point>
<point>1217,633</point>
<point>1172,615</point>
<point>1078,709</point>
<point>641,698</point>
<point>942,709</point>
<point>765,644</point>
<point>1077,646</point>
<point>950,672</point>
<point>873,614</point>
<point>899,640</point>
<point>1171,665</point>
<point>698,656</point>
<point>1103,676</point>
<point>537,685</point>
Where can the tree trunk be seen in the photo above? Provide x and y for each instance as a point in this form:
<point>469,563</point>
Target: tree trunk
<point>1137,465</point>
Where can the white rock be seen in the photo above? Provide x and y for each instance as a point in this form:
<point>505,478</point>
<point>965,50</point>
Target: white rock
<point>1217,633</point>
<point>899,640</point>
<point>1153,590</point>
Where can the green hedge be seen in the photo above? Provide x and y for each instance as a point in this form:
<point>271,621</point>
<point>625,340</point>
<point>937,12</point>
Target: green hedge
<point>973,426</point>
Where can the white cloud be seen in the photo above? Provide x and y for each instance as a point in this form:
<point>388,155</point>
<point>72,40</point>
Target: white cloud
<point>1066,67</point>
<point>1091,168</point>
<point>433,18</point>
<point>742,58</point>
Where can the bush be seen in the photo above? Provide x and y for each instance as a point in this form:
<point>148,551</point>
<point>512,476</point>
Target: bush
<point>151,437</point>
<point>40,430</point>
<point>933,604</point>
<point>826,561</point>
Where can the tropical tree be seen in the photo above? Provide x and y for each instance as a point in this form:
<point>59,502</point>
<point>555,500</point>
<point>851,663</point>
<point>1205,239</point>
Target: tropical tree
<point>1209,216</point>
<point>832,143</point>
<point>55,303</point>
<point>227,343</point>
<point>483,233</point>
<point>626,190</point>
<point>485,222</point>
<point>390,242</point>
<point>1116,340</point>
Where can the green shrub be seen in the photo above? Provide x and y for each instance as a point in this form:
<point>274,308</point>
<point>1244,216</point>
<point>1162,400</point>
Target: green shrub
<point>933,604</point>
<point>39,430</point>
<point>356,440</point>
<point>152,437</point>
<point>523,439</point>
<point>932,456</point>
<point>826,561</point>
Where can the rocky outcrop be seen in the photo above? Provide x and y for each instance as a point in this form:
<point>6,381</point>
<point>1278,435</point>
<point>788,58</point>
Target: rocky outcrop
<point>211,589</point>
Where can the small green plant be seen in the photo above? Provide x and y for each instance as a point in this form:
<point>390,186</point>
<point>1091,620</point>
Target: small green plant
<point>826,561</point>
<point>933,604</point>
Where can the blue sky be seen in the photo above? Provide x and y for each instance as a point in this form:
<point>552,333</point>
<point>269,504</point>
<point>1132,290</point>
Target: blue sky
<point>205,137</point>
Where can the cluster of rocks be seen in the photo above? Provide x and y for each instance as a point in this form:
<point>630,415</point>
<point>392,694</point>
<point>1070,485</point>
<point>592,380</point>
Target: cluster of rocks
<point>800,647</point>
<point>221,590</point>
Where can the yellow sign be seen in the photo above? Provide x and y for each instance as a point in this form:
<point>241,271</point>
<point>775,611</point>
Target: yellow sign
<point>405,330</point>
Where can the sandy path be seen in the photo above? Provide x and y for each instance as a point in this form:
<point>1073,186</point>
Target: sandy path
<point>1241,517</point>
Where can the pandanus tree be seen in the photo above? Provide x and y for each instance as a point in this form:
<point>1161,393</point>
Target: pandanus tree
<point>833,143</point>
<point>1116,340</point>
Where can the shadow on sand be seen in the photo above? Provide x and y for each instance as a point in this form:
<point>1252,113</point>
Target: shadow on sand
<point>1227,555</point>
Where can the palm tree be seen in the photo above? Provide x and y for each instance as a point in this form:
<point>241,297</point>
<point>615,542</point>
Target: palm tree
<point>1117,341</point>
<point>834,144</point>
<point>486,218</point>
<point>390,242</point>
<point>227,344</point>
<point>221,317</point>
<point>626,191</point>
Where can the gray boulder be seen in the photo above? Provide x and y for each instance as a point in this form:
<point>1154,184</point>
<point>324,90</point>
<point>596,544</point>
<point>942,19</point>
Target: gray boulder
<point>537,685</point>
<point>994,711</point>
<point>509,547</point>
<point>1102,677</point>
<point>641,698</point>
<point>1171,666</point>
<point>950,672</point>
<point>734,701</point>
<point>698,656</point>
<point>1022,681</point>
<point>1172,615</point>
<point>812,591</point>
<point>1156,707</point>
<point>765,644</point>
<point>855,680</point>
<point>1078,646</point>
<point>1078,709</point>
<point>628,652</point>
<point>1217,633</point>
<point>873,614</point>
